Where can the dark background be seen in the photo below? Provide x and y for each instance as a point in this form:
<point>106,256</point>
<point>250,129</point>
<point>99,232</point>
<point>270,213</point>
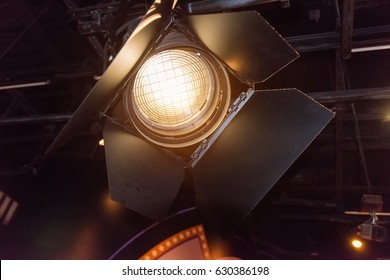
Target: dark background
<point>64,211</point>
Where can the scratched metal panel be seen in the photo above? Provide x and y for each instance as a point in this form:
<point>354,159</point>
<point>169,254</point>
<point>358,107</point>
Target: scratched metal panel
<point>140,176</point>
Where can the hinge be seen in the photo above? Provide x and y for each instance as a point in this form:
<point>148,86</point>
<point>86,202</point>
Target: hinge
<point>231,113</point>
<point>198,153</point>
<point>236,104</point>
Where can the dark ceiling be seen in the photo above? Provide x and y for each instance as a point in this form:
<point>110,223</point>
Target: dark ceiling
<point>52,53</point>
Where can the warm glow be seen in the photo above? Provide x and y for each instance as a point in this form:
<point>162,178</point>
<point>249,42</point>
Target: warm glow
<point>357,243</point>
<point>189,244</point>
<point>173,89</point>
<point>110,206</point>
<point>101,142</point>
<point>178,96</point>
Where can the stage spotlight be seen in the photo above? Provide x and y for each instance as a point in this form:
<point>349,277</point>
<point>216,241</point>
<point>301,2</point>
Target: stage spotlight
<point>370,230</point>
<point>170,108</point>
<point>178,97</point>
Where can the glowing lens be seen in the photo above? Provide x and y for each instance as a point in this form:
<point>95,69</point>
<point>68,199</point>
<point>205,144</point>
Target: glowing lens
<point>357,243</point>
<point>173,89</point>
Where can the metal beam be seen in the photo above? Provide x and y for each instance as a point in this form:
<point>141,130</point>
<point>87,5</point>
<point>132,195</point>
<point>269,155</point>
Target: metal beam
<point>212,6</point>
<point>305,202</point>
<point>70,4</point>
<point>24,104</point>
<point>322,97</point>
<point>329,218</point>
<point>371,45</point>
<point>377,116</point>
<point>27,28</point>
<point>347,28</point>
<point>25,85</point>
<point>54,78</point>
<point>351,95</point>
<point>38,119</point>
<point>95,19</point>
<point>331,40</point>
<point>25,16</point>
<point>10,108</point>
<point>339,151</point>
<point>330,188</point>
<point>94,42</point>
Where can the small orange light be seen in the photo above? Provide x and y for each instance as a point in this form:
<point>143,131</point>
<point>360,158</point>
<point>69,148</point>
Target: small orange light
<point>101,142</point>
<point>357,243</point>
